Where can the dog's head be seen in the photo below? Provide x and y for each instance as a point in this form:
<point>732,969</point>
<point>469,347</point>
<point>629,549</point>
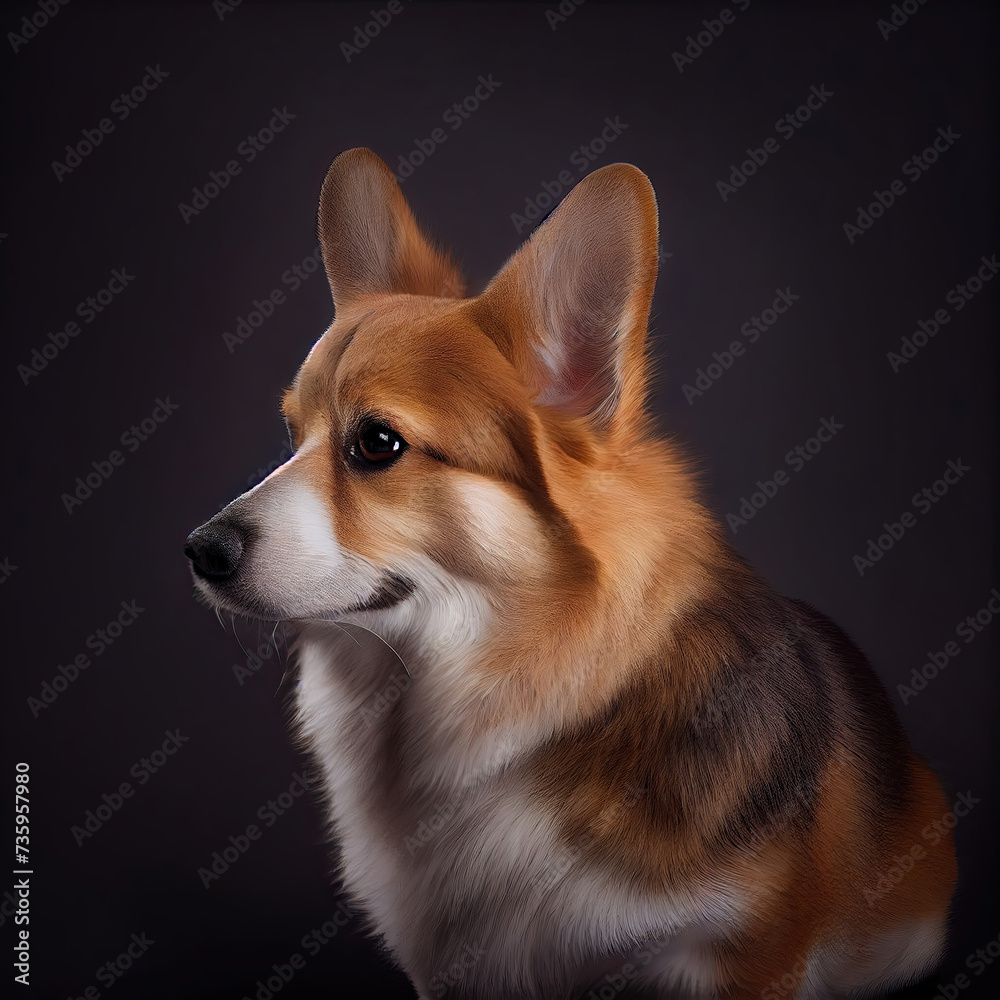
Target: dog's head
<point>447,445</point>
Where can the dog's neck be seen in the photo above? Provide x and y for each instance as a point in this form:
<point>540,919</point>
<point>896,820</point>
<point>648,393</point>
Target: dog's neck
<point>462,685</point>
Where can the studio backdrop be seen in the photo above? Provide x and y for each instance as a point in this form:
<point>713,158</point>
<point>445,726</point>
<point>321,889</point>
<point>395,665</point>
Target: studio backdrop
<point>824,338</point>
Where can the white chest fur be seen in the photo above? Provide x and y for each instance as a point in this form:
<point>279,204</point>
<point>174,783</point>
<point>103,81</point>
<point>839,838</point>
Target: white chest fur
<point>465,878</point>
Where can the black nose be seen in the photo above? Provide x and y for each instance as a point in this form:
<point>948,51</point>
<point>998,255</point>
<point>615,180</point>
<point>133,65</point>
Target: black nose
<point>215,550</point>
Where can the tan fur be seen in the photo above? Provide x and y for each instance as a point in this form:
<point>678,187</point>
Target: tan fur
<point>632,735</point>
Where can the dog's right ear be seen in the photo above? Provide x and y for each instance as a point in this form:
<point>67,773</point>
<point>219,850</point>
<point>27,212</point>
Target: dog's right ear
<point>370,240</point>
<point>569,310</point>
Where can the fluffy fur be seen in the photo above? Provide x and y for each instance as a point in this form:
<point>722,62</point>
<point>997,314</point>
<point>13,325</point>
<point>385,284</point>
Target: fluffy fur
<point>587,746</point>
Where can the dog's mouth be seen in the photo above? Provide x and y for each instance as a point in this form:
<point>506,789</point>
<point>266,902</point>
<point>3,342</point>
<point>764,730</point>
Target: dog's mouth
<point>391,590</point>
<point>232,598</point>
<point>225,583</point>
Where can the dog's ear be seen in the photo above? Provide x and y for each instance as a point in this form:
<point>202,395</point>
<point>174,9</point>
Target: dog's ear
<point>569,309</point>
<point>370,240</point>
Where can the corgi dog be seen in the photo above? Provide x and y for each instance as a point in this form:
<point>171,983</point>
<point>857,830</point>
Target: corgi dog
<point>569,741</point>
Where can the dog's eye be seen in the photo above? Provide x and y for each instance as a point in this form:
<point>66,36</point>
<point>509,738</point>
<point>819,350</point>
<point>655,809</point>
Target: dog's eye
<point>377,444</point>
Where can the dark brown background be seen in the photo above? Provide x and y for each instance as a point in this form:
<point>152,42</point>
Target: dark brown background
<point>722,262</point>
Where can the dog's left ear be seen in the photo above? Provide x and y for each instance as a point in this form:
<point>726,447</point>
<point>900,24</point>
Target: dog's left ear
<point>569,309</point>
<point>370,240</point>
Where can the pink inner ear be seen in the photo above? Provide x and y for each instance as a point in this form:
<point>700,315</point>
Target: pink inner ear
<point>587,288</point>
<point>569,309</point>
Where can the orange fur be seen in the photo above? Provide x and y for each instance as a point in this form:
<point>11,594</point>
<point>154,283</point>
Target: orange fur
<point>718,754</point>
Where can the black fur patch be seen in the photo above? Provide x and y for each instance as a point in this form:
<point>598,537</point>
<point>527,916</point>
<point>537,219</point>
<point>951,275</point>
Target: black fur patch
<point>392,589</point>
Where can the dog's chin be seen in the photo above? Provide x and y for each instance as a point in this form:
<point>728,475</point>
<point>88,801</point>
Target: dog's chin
<point>230,600</point>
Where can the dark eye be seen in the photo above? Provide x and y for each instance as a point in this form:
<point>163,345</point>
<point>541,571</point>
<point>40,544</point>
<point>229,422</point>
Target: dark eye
<point>377,444</point>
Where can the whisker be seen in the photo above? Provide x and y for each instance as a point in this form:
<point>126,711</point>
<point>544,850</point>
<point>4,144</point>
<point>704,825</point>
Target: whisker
<point>277,648</point>
<point>240,641</point>
<point>277,690</point>
<point>288,663</point>
<point>380,639</point>
<point>344,630</point>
